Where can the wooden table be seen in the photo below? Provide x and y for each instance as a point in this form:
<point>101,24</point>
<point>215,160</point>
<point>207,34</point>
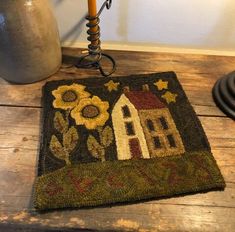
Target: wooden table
<point>20,109</point>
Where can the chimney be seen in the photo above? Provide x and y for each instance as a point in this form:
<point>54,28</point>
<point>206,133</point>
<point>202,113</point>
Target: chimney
<point>145,87</point>
<point>126,89</point>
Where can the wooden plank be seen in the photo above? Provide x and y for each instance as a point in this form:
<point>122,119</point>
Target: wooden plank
<point>20,198</point>
<point>194,72</point>
<point>20,171</point>
<point>136,217</point>
<point>220,131</point>
<point>180,63</point>
<point>19,139</point>
<point>20,127</point>
<point>30,95</point>
<point>21,179</point>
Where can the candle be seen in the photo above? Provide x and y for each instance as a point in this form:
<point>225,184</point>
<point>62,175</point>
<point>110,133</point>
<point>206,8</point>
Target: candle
<point>92,11</point>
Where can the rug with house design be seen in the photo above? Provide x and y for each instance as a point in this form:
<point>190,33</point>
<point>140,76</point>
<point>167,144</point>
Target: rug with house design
<point>120,139</point>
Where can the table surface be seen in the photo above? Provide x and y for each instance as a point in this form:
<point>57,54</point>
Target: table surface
<point>20,109</point>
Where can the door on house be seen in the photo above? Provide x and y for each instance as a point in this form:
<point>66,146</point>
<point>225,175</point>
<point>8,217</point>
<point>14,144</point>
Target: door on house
<point>135,148</point>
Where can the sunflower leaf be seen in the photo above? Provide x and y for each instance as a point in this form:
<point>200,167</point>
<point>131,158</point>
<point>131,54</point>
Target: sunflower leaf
<point>106,136</point>
<point>60,123</point>
<point>70,139</point>
<point>58,150</point>
<point>95,148</point>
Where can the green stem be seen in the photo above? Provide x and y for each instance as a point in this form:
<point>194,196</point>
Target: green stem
<point>100,129</point>
<point>68,162</point>
<point>103,158</point>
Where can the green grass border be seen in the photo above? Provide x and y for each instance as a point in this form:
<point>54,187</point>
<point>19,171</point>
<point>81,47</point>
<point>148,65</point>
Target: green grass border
<point>140,180</point>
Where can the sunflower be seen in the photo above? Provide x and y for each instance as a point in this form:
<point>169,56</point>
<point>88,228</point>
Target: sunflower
<point>91,112</point>
<point>68,96</point>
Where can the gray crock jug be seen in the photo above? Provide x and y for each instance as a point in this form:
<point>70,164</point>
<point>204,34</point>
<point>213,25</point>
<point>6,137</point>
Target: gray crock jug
<point>29,41</point>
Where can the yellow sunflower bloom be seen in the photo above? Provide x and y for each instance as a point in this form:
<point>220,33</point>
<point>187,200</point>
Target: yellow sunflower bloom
<point>68,96</point>
<point>91,112</point>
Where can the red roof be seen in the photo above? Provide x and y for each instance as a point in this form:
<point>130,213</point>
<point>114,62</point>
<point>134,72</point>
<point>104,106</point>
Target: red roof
<point>144,100</point>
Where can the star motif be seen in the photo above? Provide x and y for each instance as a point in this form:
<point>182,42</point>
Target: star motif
<point>169,97</point>
<point>161,84</point>
<point>112,85</point>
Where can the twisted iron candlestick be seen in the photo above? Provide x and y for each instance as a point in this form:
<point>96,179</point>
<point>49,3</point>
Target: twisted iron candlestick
<point>95,55</point>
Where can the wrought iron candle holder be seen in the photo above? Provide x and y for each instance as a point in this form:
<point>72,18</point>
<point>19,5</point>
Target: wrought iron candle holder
<point>95,55</point>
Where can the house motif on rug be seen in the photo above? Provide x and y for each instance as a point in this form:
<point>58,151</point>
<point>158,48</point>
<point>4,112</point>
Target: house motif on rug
<point>143,126</point>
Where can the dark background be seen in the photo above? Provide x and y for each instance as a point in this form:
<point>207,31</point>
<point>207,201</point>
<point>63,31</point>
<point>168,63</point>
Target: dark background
<point>184,116</point>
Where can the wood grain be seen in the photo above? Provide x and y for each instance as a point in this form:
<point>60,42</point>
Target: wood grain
<point>193,71</point>
<point>20,110</point>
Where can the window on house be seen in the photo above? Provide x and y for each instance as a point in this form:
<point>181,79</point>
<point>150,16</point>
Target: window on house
<point>129,128</point>
<point>171,140</point>
<point>156,142</point>
<point>150,125</point>
<point>164,123</point>
<point>126,112</point>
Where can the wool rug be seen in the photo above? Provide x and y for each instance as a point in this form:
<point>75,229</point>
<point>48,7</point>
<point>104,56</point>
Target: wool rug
<point>120,139</point>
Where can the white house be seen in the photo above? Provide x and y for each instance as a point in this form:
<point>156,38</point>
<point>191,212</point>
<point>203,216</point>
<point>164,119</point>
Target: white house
<point>144,127</point>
